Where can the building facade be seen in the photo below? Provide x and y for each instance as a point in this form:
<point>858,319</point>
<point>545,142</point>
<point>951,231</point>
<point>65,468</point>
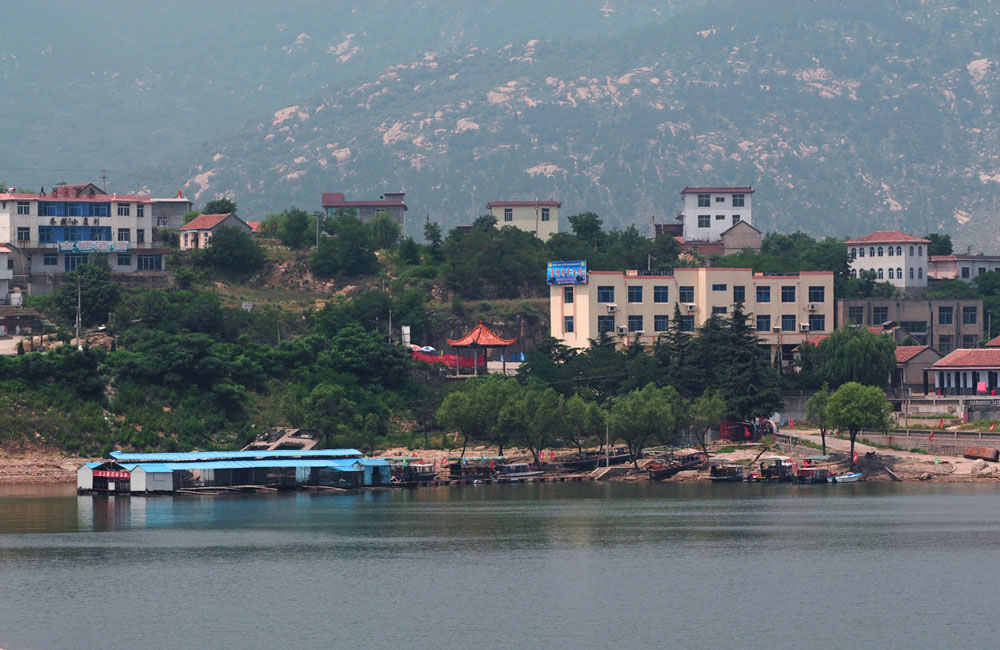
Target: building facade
<point>390,203</point>
<point>540,218</point>
<point>783,309</point>
<point>961,267</point>
<point>710,211</point>
<point>968,372</point>
<point>169,213</point>
<point>944,324</point>
<point>892,256</point>
<point>198,233</point>
<point>59,230</point>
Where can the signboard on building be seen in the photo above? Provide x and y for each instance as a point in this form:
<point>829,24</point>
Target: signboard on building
<point>567,272</point>
<point>110,473</point>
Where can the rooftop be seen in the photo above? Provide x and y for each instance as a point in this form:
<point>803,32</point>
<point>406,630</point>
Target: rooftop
<point>181,456</point>
<point>480,337</point>
<point>718,190</point>
<point>906,352</point>
<point>994,343</point>
<point>888,237</point>
<point>970,358</point>
<point>336,200</point>
<point>517,204</point>
<point>206,221</point>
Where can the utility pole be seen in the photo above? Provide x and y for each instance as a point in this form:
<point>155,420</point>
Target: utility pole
<point>317,231</point>
<point>104,179</point>
<point>390,326</point>
<point>79,302</point>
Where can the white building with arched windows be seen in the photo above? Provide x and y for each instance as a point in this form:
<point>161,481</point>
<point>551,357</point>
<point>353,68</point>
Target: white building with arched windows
<point>890,256</point>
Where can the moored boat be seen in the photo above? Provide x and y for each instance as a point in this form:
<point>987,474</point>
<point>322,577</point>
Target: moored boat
<point>849,477</point>
<point>776,469</point>
<point>594,459</point>
<point>813,475</point>
<point>725,470</point>
<point>661,469</point>
<point>518,471</point>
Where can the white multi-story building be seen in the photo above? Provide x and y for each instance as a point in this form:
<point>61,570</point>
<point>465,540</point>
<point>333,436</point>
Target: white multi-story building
<point>62,229</point>
<point>710,211</point>
<point>893,257</point>
<point>541,218</point>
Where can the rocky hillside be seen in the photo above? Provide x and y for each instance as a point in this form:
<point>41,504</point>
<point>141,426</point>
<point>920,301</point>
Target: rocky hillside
<point>844,117</point>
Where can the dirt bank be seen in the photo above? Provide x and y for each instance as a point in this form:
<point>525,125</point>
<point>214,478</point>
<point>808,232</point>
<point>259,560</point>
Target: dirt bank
<point>33,465</point>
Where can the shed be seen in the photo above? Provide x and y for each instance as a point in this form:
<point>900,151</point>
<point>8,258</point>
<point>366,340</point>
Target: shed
<point>85,476</point>
<point>377,471</point>
<point>153,477</point>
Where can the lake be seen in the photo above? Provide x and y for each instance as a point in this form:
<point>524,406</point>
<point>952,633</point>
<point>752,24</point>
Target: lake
<point>553,565</point>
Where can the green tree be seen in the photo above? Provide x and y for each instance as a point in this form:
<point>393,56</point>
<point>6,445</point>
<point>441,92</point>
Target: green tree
<point>474,409</point>
<point>432,234</point>
<point>541,404</point>
<point>940,244</point>
<point>385,231</point>
<point>855,354</point>
<point>233,254</point>
<point>816,412</point>
<point>587,227</point>
<point>349,252</point>
<point>707,410</point>
<point>99,294</point>
<point>409,253</point>
<point>580,421</point>
<point>295,228</point>
<point>646,415</point>
<point>855,407</point>
<point>220,206</point>
<point>190,215</point>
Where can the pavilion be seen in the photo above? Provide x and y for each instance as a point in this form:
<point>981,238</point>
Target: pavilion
<point>481,337</point>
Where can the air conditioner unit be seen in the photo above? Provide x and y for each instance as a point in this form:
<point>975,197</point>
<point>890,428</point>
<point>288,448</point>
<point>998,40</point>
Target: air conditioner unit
<point>622,330</point>
<point>803,327</point>
<point>776,329</point>
<point>638,333</point>
<point>612,309</point>
<point>812,307</point>
<point>690,306</point>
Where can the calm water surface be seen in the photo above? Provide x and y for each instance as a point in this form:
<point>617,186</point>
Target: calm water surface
<point>572,565</point>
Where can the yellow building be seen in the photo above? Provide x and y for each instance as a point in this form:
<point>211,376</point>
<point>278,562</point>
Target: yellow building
<point>784,309</point>
<point>538,217</point>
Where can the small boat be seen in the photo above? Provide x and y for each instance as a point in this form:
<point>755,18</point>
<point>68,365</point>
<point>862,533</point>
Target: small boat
<point>813,475</point>
<point>594,459</point>
<point>776,469</point>
<point>516,471</point>
<point>411,471</point>
<point>725,470</point>
<point>661,469</point>
<point>474,469</point>
<point>850,477</point>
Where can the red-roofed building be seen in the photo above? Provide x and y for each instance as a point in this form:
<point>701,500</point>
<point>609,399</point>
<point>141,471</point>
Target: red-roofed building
<point>890,256</point>
<point>541,218</point>
<point>254,226</point>
<point>198,232</point>
<point>912,363</point>
<point>961,267</point>
<point>993,343</point>
<point>390,203</point>
<point>710,211</point>
<point>968,372</point>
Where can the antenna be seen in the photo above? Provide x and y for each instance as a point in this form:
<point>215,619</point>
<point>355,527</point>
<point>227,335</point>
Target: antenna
<point>104,179</point>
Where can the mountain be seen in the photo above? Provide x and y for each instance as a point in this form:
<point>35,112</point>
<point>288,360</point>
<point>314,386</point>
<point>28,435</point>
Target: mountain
<point>846,117</point>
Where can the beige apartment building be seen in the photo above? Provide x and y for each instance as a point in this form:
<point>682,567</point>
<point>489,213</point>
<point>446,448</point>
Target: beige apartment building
<point>541,218</point>
<point>942,323</point>
<point>784,309</point>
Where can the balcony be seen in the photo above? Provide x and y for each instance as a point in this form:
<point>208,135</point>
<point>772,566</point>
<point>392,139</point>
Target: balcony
<point>93,246</point>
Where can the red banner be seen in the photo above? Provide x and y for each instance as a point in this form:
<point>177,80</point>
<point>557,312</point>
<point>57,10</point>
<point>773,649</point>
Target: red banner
<point>449,360</point>
<point>111,473</point>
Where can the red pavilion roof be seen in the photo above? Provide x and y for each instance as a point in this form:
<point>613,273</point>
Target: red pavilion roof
<point>481,337</point>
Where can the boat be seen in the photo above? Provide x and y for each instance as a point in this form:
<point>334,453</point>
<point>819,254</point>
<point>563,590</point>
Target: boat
<point>725,470</point>
<point>661,469</point>
<point>594,459</point>
<point>775,469</point>
<point>850,477</point>
<point>813,475</point>
<point>474,469</point>
<point>511,472</point>
<point>411,471</point>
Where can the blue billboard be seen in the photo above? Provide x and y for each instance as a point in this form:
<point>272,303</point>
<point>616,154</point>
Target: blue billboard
<point>567,272</point>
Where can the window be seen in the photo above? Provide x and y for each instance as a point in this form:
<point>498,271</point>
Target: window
<point>568,324</point>
<point>982,269</point>
<point>920,251</point>
<point>124,260</point>
<point>969,340</point>
<point>703,201</point>
<point>704,220</point>
<point>634,293</point>
<point>508,214</point>
<point>720,217</point>
<point>545,214</point>
<point>945,344</point>
<point>23,234</point>
<point>720,199</point>
<point>635,323</point>
<point>817,294</point>
<point>718,287</point>
<point>739,294</point>
<point>899,250</point>
<point>817,322</point>
<point>123,209</point>
<point>763,294</point>
<point>45,234</point>
<point>881,275</point>
<point>605,294</point>
<point>763,323</point>
<point>606,324</point>
<point>856,315</point>
<point>891,273</point>
<point>661,322</point>
<point>917,328</point>
<point>871,251</point>
<point>739,200</point>
<point>899,273</point>
<point>788,294</point>
<point>788,322</point>
<point>140,210</point>
<point>23,207</point>
<point>970,315</point>
<point>880,251</point>
<point>854,273</point>
<point>736,219</point>
<point>661,293</point>
<point>911,251</point>
<point>854,253</point>
<point>719,310</point>
<point>920,273</point>
<point>686,294</point>
<point>879,315</point>
<point>72,261</point>
<point>890,251</point>
<point>124,234</point>
<point>966,273</point>
<point>946,315</point>
<point>50,259</point>
<point>687,323</point>
<point>911,272</point>
<point>568,295</point>
<point>861,252</point>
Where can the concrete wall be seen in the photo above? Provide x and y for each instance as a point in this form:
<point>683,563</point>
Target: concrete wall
<point>721,212</point>
<point>740,237</point>
<point>906,257</point>
<point>904,311</point>
<point>529,218</point>
<point>84,478</point>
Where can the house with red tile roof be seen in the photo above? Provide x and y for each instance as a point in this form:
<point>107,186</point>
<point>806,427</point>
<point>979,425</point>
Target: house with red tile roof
<point>961,267</point>
<point>890,256</point>
<point>198,232</point>
<point>390,203</point>
<point>993,343</point>
<point>968,372</point>
<point>912,364</point>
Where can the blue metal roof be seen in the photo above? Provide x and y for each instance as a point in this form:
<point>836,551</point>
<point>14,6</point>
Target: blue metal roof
<point>179,456</point>
<point>155,468</point>
<point>373,462</point>
<point>343,465</point>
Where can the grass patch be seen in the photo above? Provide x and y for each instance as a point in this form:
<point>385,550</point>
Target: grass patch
<point>918,450</point>
<point>725,450</point>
